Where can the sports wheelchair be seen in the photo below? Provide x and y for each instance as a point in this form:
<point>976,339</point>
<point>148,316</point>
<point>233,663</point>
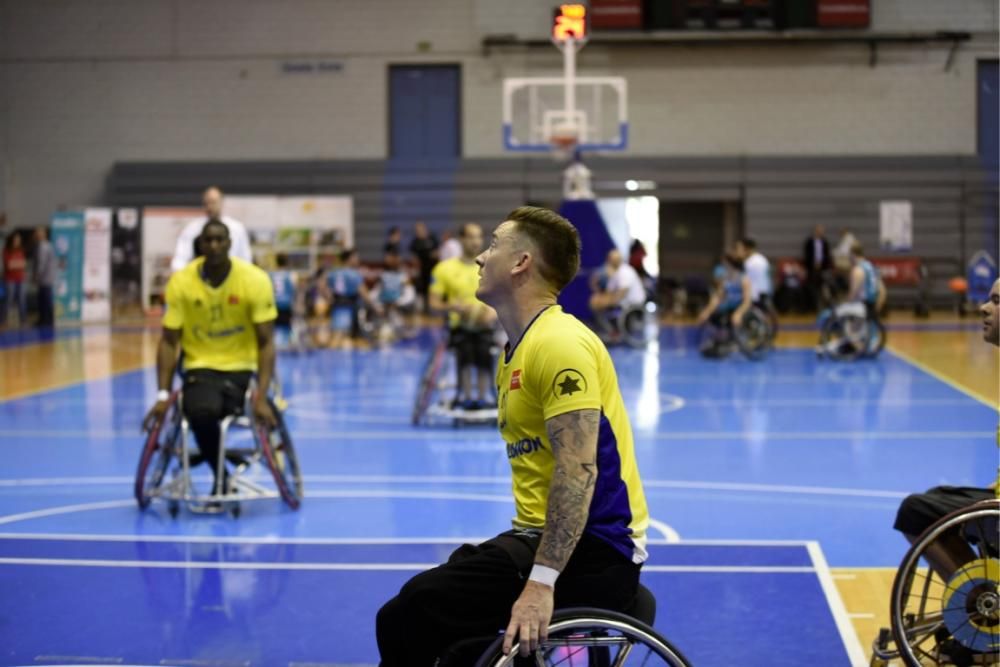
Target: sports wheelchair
<point>937,622</point>
<point>436,391</point>
<point>587,637</point>
<point>624,324</point>
<point>753,338</point>
<point>848,332</point>
<point>164,470</point>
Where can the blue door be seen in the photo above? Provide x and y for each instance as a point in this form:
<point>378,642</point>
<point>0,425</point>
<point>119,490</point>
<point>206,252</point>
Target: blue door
<point>989,110</point>
<point>424,111</point>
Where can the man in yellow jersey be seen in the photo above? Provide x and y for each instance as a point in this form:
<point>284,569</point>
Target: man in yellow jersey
<point>918,511</point>
<point>470,321</point>
<point>221,313</point>
<point>580,531</point>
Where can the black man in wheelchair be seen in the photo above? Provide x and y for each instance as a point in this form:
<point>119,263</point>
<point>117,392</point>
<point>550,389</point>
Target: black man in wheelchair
<point>220,314</point>
<point>579,535</point>
<point>729,301</point>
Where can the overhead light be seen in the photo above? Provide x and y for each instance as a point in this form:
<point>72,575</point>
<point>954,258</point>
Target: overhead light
<point>631,185</point>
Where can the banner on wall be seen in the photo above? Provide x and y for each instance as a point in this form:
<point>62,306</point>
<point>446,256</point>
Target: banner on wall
<point>67,244</point>
<point>96,265</point>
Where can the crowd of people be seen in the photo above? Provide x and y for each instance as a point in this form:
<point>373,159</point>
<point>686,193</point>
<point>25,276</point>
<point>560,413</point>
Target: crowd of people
<point>27,265</point>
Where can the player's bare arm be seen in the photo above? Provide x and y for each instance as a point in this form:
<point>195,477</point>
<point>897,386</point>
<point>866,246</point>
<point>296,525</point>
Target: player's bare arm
<point>573,436</point>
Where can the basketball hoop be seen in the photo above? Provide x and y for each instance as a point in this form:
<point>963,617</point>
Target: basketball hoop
<point>563,141</point>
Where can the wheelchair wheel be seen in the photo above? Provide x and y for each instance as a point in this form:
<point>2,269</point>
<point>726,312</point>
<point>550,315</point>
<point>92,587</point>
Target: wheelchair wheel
<point>279,453</point>
<point>429,381</point>
<point>633,327</point>
<point>592,638</point>
<point>955,621</point>
<point>876,338</point>
<point>754,335</point>
<point>844,338</point>
<point>156,454</point>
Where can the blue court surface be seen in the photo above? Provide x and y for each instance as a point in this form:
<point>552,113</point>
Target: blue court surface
<point>758,475</point>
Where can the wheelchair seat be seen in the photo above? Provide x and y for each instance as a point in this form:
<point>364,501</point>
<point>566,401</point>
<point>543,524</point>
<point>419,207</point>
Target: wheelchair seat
<point>643,607</point>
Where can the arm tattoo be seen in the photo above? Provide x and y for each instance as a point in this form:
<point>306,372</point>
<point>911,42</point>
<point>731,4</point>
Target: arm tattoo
<point>574,444</point>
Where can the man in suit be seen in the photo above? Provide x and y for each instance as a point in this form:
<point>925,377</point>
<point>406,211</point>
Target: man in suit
<point>817,259</point>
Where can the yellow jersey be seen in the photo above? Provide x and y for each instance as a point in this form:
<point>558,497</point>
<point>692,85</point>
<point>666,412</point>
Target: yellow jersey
<point>217,323</point>
<point>455,282</point>
<point>559,366</point>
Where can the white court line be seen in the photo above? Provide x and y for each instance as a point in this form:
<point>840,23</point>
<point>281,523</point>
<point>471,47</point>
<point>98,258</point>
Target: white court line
<point>354,567</point>
<point>669,534</point>
<point>65,509</point>
<point>279,540</point>
<point>485,480</point>
<point>847,635</point>
<point>435,435</point>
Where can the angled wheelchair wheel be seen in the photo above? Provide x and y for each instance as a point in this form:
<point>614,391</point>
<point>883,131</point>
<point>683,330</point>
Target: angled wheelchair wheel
<point>592,638</point>
<point>755,335</point>
<point>844,338</point>
<point>276,445</point>
<point>429,381</point>
<point>633,327</point>
<point>158,450</point>
<point>876,338</point>
<point>955,621</point>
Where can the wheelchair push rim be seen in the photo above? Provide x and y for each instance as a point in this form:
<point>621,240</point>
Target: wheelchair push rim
<point>281,459</point>
<point>754,335</point>
<point>964,611</point>
<point>593,638</point>
<point>156,454</point>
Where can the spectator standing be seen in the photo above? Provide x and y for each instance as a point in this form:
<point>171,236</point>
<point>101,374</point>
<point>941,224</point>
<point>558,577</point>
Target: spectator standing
<point>393,241</point>
<point>45,277</point>
<point>424,247</point>
<point>818,261</point>
<point>450,247</point>
<point>14,270</point>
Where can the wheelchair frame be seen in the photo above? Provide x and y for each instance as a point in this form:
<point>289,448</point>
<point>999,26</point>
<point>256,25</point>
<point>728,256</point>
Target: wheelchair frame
<point>834,348</point>
<point>607,328</point>
<point>273,445</point>
<point>754,348</point>
<point>909,630</point>
<point>426,409</point>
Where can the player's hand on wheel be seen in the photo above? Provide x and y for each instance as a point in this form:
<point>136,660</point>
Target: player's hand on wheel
<point>529,618</point>
<point>155,415</point>
<point>262,412</point>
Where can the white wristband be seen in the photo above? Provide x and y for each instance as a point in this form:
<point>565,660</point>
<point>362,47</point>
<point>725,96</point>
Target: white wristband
<point>544,575</point>
<point>163,395</point>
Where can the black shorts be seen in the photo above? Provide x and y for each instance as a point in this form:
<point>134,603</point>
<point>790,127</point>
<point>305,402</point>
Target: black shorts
<point>919,511</point>
<point>473,347</point>
<point>284,317</point>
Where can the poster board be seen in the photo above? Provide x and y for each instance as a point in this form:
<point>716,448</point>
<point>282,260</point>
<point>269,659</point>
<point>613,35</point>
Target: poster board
<point>67,245</point>
<point>96,280</point>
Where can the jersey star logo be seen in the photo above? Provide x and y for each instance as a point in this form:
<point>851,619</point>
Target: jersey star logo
<point>568,382</point>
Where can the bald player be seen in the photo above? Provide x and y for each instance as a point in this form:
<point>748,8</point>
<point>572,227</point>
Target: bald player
<point>211,199</point>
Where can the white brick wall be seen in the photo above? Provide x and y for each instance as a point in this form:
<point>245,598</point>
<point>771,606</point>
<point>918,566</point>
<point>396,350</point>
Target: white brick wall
<point>89,83</point>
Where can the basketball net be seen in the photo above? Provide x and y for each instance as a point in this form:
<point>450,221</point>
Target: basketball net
<point>564,140</point>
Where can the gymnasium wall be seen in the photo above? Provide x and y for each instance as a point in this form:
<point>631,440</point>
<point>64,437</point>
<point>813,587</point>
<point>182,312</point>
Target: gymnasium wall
<point>86,85</point>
